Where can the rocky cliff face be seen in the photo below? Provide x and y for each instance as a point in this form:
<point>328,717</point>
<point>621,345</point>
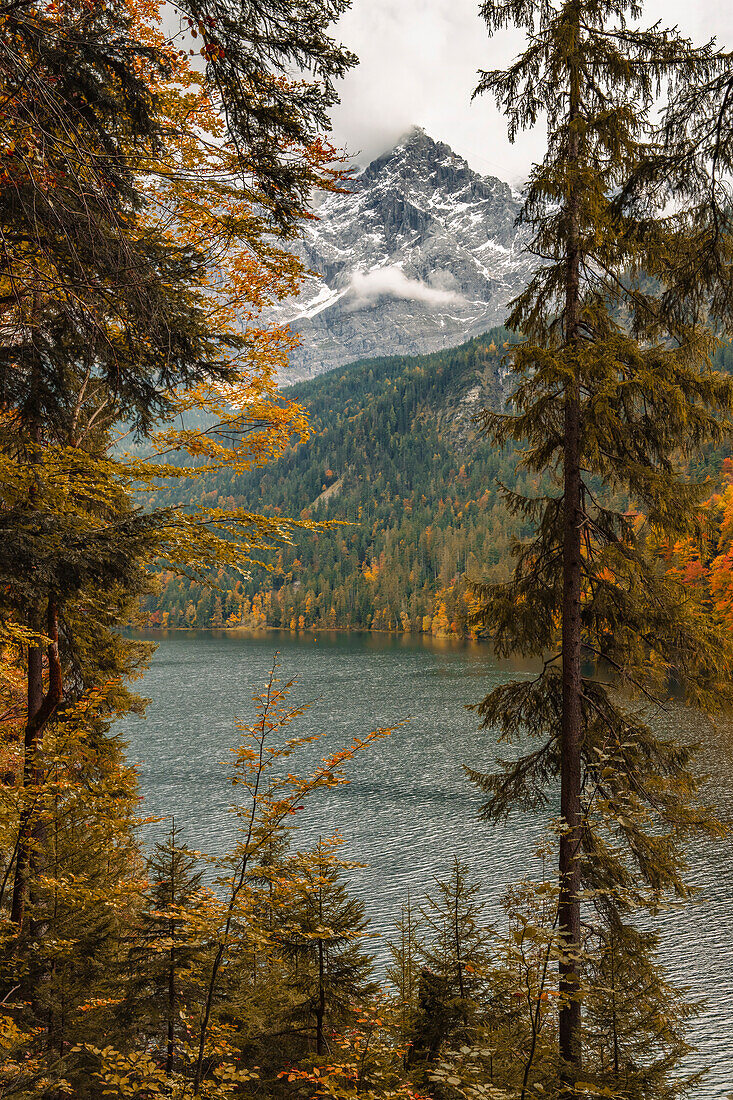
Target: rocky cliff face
<point>421,255</point>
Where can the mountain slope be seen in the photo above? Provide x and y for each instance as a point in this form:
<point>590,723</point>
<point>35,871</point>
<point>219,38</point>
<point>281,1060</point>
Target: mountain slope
<point>422,254</point>
<point>396,454</point>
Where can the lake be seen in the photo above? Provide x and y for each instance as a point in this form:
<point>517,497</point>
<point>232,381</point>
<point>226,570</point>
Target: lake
<point>409,808</point>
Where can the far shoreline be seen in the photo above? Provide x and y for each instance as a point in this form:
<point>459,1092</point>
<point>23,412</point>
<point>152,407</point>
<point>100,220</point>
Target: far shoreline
<point>308,632</point>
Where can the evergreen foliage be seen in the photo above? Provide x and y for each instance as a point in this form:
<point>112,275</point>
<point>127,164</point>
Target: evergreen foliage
<point>320,938</point>
<point>614,382</point>
<point>165,949</point>
<point>457,944</point>
<point>403,971</point>
<point>135,190</point>
<point>448,992</point>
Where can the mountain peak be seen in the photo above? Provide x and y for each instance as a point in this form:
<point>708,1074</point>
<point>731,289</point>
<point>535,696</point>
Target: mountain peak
<point>415,150</point>
<point>415,137</point>
<point>422,252</point>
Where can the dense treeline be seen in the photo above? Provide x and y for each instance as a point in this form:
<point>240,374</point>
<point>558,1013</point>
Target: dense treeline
<point>396,454</point>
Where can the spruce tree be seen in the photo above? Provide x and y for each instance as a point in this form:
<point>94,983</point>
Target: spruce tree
<point>614,387</point>
<point>64,980</point>
<point>323,941</point>
<point>636,1021</point>
<point>456,944</point>
<point>166,948</point>
<point>403,972</point>
<point>451,989</point>
<point>691,170</point>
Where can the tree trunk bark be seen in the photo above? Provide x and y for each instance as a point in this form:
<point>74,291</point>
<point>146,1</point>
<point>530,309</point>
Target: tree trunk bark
<point>31,831</point>
<point>571,736</point>
<point>321,1009</point>
<point>570,1039</point>
<point>171,1049</point>
<point>22,862</point>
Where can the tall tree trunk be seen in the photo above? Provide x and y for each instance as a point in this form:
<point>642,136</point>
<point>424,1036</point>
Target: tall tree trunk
<point>571,734</point>
<point>171,1047</point>
<point>321,1006</point>
<point>31,830</point>
<point>22,862</point>
<point>614,1019</point>
<point>570,1040</point>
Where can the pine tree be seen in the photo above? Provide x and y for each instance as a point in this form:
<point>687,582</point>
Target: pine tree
<point>635,1021</point>
<point>613,386</point>
<point>87,321</point>
<point>277,124</point>
<point>691,169</point>
<point>72,562</point>
<point>64,982</point>
<point>450,970</point>
<point>433,1020</point>
<point>404,970</point>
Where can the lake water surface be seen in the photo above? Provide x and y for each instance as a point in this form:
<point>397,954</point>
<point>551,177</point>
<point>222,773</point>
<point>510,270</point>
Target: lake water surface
<point>409,808</point>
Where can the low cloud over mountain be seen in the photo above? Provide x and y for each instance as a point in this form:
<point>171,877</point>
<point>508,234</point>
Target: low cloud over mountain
<point>367,287</point>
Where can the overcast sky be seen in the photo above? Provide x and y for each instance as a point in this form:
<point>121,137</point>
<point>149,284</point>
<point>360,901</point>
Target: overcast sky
<point>419,60</point>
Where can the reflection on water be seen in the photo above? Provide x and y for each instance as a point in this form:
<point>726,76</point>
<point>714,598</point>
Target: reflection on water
<point>409,808</point>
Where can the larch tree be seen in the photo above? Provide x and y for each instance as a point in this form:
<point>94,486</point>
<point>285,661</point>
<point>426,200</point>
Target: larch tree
<point>268,798</point>
<point>614,386</point>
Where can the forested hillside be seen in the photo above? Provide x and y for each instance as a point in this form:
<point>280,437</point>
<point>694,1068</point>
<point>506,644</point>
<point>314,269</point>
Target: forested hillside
<point>397,460</point>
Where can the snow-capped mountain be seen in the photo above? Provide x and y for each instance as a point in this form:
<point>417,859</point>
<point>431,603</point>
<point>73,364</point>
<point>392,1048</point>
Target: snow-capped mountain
<point>422,254</point>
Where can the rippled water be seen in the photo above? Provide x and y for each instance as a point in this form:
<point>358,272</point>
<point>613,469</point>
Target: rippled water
<point>409,808</point>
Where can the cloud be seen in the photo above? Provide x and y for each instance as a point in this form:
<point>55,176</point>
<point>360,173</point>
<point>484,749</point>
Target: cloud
<point>418,66</point>
<point>419,62</point>
<point>367,286</point>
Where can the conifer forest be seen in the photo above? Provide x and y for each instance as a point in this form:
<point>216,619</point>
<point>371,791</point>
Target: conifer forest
<point>556,491</point>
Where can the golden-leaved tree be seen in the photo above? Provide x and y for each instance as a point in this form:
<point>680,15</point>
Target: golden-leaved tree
<point>144,216</point>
